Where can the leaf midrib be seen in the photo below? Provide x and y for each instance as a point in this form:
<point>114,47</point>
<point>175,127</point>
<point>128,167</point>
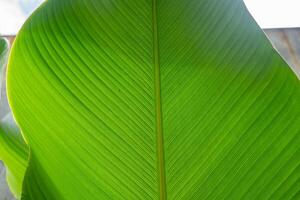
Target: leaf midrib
<point>157,86</point>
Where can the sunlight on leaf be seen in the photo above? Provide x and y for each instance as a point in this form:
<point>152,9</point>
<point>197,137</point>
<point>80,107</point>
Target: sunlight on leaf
<point>162,99</point>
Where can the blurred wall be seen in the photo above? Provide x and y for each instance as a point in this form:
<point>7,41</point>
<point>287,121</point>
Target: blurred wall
<point>287,42</point>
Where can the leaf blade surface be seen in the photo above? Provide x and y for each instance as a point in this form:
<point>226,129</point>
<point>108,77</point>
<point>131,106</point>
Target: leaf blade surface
<point>100,72</point>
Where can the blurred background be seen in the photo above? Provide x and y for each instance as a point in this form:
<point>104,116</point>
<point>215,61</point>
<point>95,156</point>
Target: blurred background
<point>13,14</point>
<point>269,14</point>
<point>280,20</point>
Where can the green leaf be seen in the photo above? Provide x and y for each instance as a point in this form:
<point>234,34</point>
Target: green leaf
<point>3,52</point>
<point>13,150</point>
<point>161,99</point>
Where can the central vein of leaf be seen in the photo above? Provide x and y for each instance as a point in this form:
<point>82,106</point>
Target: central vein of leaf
<point>159,129</point>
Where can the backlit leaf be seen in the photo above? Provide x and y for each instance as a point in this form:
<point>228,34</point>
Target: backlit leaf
<point>154,99</point>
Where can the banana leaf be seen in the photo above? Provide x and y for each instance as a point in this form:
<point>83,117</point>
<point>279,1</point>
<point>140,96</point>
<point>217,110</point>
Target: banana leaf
<point>154,99</point>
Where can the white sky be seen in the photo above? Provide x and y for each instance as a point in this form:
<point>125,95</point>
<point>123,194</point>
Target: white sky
<point>275,13</point>
<point>11,17</point>
<point>268,13</point>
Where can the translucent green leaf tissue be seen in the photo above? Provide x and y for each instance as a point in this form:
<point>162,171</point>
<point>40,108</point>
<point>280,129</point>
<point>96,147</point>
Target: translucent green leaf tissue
<point>153,99</point>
